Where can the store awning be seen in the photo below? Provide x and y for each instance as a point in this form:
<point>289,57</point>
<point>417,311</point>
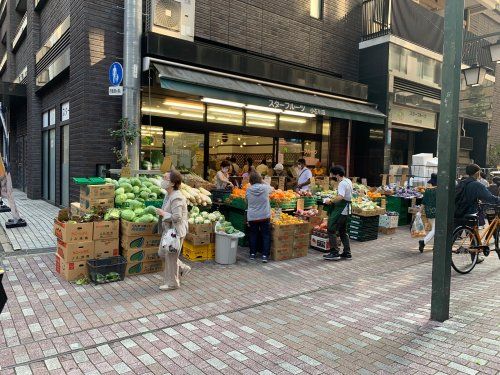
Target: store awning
<point>248,91</point>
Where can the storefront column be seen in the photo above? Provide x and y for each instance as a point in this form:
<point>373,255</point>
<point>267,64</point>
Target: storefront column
<point>348,153</point>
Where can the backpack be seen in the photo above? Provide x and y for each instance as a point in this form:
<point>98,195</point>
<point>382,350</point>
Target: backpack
<point>461,204</point>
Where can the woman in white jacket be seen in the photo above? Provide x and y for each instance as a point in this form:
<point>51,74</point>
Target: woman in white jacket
<point>173,214</point>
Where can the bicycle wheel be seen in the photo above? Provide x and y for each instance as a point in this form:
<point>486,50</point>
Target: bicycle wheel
<point>463,259</point>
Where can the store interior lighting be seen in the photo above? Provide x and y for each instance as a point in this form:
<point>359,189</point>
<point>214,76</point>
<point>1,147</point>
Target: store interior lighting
<point>300,114</point>
<point>160,111</point>
<point>261,116</point>
<point>263,109</point>
<point>226,111</point>
<point>223,102</point>
<point>293,120</point>
<point>261,123</point>
<point>183,104</point>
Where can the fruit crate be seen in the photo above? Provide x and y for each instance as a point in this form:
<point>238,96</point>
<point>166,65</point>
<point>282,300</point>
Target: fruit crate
<point>194,253</point>
<point>220,196</point>
<point>309,202</point>
<point>238,203</point>
<point>100,269</point>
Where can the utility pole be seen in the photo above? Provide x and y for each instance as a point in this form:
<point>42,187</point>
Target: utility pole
<point>447,148</point>
<point>131,104</point>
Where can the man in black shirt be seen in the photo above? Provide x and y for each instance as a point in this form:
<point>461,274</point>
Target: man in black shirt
<point>473,192</point>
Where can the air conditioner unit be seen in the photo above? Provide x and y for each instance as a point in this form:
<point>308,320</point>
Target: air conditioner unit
<point>174,18</point>
<point>466,143</point>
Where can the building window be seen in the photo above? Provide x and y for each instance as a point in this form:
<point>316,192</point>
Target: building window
<point>316,10</point>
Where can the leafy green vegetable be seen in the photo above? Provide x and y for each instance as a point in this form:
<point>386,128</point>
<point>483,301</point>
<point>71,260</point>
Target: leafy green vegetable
<point>119,191</point>
<point>128,215</point>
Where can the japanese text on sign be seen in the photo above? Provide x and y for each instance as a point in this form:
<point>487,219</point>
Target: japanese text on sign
<point>288,106</point>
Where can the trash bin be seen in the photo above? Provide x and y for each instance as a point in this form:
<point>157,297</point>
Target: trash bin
<point>226,246</point>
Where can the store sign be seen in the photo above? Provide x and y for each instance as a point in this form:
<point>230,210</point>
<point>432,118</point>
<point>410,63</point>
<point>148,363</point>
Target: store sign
<point>289,106</point>
<point>413,117</point>
<point>65,111</point>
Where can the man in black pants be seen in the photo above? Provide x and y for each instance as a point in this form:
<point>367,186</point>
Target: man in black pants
<point>339,209</point>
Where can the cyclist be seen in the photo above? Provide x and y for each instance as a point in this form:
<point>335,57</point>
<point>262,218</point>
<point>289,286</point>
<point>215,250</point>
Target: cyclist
<point>470,192</point>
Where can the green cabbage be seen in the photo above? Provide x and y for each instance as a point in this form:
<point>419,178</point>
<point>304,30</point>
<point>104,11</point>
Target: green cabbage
<point>130,196</point>
<point>135,182</point>
<point>123,180</point>
<point>133,204</point>
<point>148,218</point>
<point>128,188</point>
<point>136,189</point>
<point>150,210</point>
<point>119,191</point>
<point>139,211</point>
<point>120,199</point>
<point>153,196</point>
<point>128,215</point>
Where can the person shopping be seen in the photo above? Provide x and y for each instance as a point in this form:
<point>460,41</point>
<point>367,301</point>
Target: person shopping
<point>173,214</point>
<point>429,203</point>
<point>259,216</point>
<point>339,209</point>
<point>222,177</point>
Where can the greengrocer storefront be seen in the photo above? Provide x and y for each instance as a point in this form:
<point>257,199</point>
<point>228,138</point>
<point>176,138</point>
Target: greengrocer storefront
<point>200,117</point>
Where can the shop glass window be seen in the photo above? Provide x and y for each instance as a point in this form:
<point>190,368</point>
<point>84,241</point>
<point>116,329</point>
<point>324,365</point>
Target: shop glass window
<point>414,65</point>
<point>45,119</point>
<point>151,147</point>
<point>241,147</point>
<point>173,107</point>
<point>261,119</point>
<point>298,124</point>
<point>186,151</point>
<point>52,117</point>
<point>224,115</point>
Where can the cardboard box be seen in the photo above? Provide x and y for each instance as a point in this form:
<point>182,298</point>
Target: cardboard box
<point>199,239</point>
<point>106,248</point>
<point>320,243</point>
<point>301,241</point>
<point>106,230</point>
<point>87,205</point>
<point>131,229</point>
<point>281,252</point>
<point>200,228</point>
<point>139,242</point>
<point>68,232</point>
<point>141,268</point>
<point>75,209</point>
<point>141,255</point>
<point>283,230</point>
<point>211,251</point>
<point>300,251</point>
<point>71,271</point>
<point>75,251</point>
<point>92,192</point>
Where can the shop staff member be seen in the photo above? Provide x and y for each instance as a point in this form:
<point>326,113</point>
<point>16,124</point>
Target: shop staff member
<point>279,171</point>
<point>262,168</point>
<point>248,167</point>
<point>304,176</point>
<point>236,167</point>
<point>339,209</point>
<point>222,177</point>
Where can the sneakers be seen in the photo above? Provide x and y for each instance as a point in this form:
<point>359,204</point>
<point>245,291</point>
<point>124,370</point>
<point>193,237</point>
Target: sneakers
<point>166,287</point>
<point>252,256</point>
<point>480,259</point>
<point>346,256</point>
<point>331,256</point>
<point>185,271</point>
<point>421,245</point>
<point>264,259</point>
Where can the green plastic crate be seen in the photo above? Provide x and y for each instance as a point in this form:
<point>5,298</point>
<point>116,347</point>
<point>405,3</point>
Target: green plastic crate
<point>238,203</point>
<point>158,203</point>
<point>89,180</point>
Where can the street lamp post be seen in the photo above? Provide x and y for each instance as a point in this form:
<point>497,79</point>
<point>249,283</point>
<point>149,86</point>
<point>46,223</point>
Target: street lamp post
<point>447,148</point>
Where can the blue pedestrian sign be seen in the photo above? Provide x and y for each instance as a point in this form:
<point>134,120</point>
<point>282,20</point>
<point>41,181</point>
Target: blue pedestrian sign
<point>116,74</point>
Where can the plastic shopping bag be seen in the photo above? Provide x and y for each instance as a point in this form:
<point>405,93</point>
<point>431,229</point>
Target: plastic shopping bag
<point>418,228</point>
<point>170,243</point>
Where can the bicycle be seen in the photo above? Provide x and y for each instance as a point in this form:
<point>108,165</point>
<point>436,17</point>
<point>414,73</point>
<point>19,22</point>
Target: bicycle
<point>468,242</point>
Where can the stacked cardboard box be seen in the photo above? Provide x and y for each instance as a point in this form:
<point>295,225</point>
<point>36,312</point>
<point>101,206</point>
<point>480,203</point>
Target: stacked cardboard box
<point>106,239</point>
<point>75,246</point>
<point>96,196</point>
<point>290,241</point>
<point>139,246</point>
<point>199,244</point>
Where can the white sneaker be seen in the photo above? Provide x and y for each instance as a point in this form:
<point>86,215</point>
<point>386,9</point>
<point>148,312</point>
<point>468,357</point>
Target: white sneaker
<point>186,271</point>
<point>166,287</point>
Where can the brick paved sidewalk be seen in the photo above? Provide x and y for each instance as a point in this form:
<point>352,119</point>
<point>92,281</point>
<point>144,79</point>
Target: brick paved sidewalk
<point>307,316</point>
<point>38,234</point>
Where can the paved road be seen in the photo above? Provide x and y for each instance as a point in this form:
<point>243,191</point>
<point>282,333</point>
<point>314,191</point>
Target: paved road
<point>307,316</point>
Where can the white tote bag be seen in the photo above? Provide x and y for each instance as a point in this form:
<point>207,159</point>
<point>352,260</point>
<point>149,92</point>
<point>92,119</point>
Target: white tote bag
<point>170,243</point>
